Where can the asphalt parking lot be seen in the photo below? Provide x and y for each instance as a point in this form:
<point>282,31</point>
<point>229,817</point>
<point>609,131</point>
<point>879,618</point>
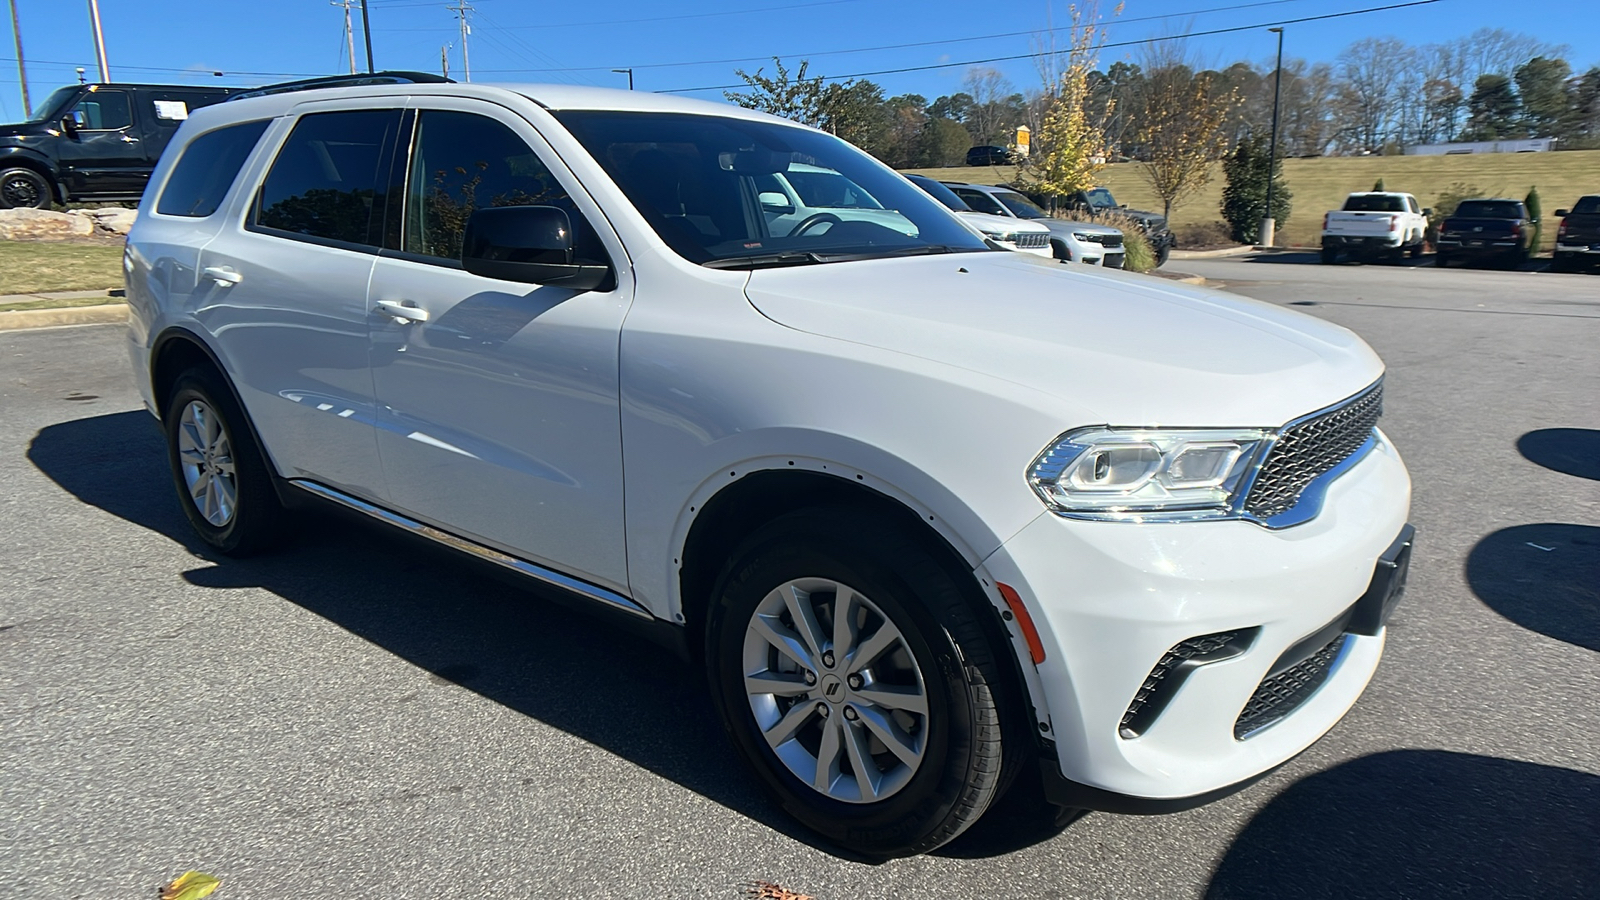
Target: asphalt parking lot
<point>355,717</point>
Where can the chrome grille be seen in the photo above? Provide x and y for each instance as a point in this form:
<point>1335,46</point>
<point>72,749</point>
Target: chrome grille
<point>1282,693</point>
<point>1032,240</point>
<point>1311,448</point>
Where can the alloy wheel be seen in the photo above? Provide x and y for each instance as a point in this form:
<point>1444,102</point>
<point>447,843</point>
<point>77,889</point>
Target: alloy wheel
<point>19,192</point>
<point>835,690</point>
<point>207,460</point>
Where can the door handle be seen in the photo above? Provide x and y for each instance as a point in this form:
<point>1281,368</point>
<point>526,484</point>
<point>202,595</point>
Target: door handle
<point>222,275</point>
<point>402,311</point>
<point>129,140</point>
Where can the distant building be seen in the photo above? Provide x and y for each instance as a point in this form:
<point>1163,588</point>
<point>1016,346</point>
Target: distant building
<point>1528,145</point>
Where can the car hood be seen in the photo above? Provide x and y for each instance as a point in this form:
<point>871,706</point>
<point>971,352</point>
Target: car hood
<point>17,130</point>
<point>991,224</point>
<point>1118,348</point>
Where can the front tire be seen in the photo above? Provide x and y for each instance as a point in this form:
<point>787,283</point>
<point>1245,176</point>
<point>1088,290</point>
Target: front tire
<point>218,470</point>
<point>853,675</point>
<point>1330,255</point>
<point>23,188</point>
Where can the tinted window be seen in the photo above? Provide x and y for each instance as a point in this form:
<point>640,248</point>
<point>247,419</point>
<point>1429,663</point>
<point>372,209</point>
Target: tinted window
<point>940,193</point>
<point>1587,206</point>
<point>981,202</point>
<point>462,162</point>
<point>1373,203</point>
<point>1100,198</point>
<point>207,168</point>
<point>325,181</point>
<point>696,179</point>
<point>1020,205</point>
<point>54,106</point>
<point>1489,209</point>
<point>104,111</point>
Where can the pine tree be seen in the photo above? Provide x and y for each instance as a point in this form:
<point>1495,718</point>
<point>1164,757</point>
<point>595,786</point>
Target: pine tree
<point>1244,197</point>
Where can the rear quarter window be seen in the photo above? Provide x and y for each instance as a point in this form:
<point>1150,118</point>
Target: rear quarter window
<point>207,169</point>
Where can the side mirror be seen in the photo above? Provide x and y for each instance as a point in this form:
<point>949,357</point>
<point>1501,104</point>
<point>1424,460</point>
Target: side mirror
<point>775,201</point>
<point>72,121</point>
<point>1563,213</point>
<point>531,244</point>
<point>1427,211</point>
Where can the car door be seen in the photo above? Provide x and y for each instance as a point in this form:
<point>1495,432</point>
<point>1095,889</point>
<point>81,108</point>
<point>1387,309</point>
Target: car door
<point>498,401</point>
<point>286,298</point>
<point>104,153</point>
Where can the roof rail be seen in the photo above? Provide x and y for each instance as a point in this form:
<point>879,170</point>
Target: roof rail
<point>330,81</point>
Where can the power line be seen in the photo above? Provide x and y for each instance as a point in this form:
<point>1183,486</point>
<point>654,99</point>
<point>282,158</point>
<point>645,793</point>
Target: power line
<point>1154,40</point>
<point>709,15</point>
<point>932,43</point>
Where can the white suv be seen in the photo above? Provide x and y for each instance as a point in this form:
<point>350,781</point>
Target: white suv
<point>948,526</point>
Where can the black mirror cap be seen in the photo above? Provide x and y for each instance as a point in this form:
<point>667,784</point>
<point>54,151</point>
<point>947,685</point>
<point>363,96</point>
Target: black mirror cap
<point>1427,212</point>
<point>1563,213</point>
<point>530,244</point>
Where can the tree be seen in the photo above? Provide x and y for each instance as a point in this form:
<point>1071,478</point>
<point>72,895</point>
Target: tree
<point>798,98</point>
<point>854,111</point>
<point>1068,148</point>
<point>1367,95</point>
<point>1183,131</point>
<point>1542,91</point>
<point>988,117</point>
<point>955,107</point>
<point>1535,214</point>
<point>1377,186</point>
<point>1586,108</point>
<point>1491,110</point>
<point>943,142</point>
<point>1244,198</point>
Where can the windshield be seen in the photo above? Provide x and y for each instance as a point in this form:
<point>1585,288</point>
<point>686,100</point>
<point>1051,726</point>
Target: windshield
<point>1373,203</point>
<point>1100,198</point>
<point>1020,206</point>
<point>734,193</point>
<point>55,104</point>
<point>1489,209</point>
<point>940,193</point>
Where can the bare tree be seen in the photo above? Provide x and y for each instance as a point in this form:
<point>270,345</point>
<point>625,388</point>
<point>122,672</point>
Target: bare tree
<point>989,90</point>
<point>1368,92</point>
<point>1183,131</point>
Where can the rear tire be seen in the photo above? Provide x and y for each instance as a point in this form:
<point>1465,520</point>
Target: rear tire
<point>1330,255</point>
<point>1442,260</point>
<point>815,740</point>
<point>221,477</point>
<point>23,188</point>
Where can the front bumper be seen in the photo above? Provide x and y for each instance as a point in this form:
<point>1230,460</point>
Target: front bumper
<point>1586,249</point>
<point>1109,599</point>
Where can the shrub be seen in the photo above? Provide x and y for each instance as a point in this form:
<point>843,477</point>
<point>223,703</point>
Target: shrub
<point>1377,187</point>
<point>1534,213</point>
<point>1138,256</point>
<point>1244,197</point>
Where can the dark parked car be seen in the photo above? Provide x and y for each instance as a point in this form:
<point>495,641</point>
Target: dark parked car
<point>94,141</point>
<point>988,156</point>
<point>1578,238</point>
<point>1500,231</point>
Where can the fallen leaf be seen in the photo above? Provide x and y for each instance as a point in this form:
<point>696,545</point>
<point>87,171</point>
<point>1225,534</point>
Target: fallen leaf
<point>766,890</point>
<point>190,885</point>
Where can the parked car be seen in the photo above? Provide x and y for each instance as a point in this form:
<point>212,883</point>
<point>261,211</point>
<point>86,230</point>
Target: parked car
<point>1578,236</point>
<point>1498,231</point>
<point>989,155</point>
<point>1098,201</point>
<point>1009,232</point>
<point>101,141</point>
<point>1079,242</point>
<point>1375,225</point>
<point>941,523</point>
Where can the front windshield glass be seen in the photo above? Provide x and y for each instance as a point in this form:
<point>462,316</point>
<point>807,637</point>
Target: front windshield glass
<point>734,193</point>
<point>1100,198</point>
<point>55,104</point>
<point>940,193</point>
<point>1020,206</point>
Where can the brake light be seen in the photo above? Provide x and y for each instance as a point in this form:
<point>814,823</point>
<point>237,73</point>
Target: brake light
<point>1394,223</point>
<point>1516,231</point>
<point>1562,231</point>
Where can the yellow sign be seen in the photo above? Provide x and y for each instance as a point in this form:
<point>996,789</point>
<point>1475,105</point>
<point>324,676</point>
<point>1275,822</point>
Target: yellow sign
<point>1023,134</point>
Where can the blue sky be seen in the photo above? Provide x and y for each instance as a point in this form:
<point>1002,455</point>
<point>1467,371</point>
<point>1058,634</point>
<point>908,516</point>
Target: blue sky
<point>183,41</point>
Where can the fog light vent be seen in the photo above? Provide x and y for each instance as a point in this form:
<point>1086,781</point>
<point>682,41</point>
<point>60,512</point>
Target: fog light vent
<point>1162,684</point>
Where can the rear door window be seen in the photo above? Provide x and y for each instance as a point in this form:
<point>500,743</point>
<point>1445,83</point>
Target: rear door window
<point>207,169</point>
<point>327,182</point>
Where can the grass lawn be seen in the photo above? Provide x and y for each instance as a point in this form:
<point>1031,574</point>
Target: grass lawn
<point>28,267</point>
<point>1319,185</point>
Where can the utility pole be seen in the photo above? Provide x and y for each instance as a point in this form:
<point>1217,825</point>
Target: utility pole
<point>461,9</point>
<point>22,69</point>
<point>629,70</point>
<point>1269,225</point>
<point>444,60</point>
<point>349,32</point>
<point>366,29</point>
<point>99,41</point>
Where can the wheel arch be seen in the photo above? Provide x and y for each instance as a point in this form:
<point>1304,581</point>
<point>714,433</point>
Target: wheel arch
<point>177,349</point>
<point>40,165</point>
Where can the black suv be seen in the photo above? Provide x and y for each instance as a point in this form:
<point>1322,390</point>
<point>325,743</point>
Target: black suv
<point>988,156</point>
<point>94,141</point>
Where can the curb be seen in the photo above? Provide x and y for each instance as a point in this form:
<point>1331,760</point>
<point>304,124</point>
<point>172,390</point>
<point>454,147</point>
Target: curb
<point>1180,277</point>
<point>1212,254</point>
<point>110,313</point>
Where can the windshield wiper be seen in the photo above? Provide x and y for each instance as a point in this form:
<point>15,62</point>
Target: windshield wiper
<point>766,260</point>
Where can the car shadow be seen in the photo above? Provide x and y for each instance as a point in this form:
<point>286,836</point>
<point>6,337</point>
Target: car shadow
<point>1571,451</point>
<point>1544,577</point>
<point>1421,824</point>
<point>447,615</point>
<point>1426,261</point>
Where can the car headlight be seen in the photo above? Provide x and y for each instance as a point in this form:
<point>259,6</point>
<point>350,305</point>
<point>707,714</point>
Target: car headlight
<point>1146,473</point>
<point>1086,237</point>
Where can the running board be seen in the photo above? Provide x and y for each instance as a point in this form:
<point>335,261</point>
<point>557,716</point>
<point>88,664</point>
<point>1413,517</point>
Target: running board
<point>520,566</point>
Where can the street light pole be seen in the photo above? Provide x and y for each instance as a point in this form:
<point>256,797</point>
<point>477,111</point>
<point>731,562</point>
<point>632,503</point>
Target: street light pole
<point>629,70</point>
<point>366,30</point>
<point>1269,225</point>
<point>99,41</point>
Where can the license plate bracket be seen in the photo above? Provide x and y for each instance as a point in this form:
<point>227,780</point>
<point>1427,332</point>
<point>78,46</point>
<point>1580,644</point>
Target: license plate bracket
<point>1388,585</point>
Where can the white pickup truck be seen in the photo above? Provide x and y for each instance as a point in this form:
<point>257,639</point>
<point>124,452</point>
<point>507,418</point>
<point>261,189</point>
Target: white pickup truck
<point>1374,225</point>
